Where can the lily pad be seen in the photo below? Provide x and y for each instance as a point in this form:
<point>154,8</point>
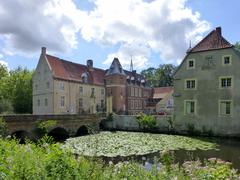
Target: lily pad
<point>112,144</point>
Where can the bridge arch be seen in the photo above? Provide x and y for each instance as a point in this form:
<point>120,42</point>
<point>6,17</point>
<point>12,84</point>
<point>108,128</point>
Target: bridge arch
<point>22,136</point>
<point>59,134</point>
<point>82,131</point>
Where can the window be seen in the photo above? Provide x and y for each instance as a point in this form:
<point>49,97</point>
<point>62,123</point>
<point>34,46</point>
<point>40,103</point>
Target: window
<point>46,102</point>
<point>81,90</point>
<point>226,60</point>
<point>132,91</point>
<point>36,86</point>
<point>140,92</point>
<point>102,91</point>
<point>132,104</point>
<point>191,64</point>
<point>92,92</point>
<point>61,86</point>
<point>140,104</point>
<point>190,107</point>
<point>47,85</point>
<point>225,82</point>
<point>80,102</point>
<point>38,102</point>
<point>129,104</point>
<point>62,103</point>
<point>190,84</point>
<point>102,103</point>
<point>136,92</point>
<point>225,107</point>
<point>135,104</point>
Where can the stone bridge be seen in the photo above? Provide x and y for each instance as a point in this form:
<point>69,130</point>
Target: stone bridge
<point>26,126</point>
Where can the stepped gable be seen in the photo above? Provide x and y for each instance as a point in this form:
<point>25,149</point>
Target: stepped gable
<point>70,71</point>
<point>115,68</point>
<point>214,40</point>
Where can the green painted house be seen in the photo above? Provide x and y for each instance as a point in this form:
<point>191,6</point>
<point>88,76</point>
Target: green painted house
<point>207,87</point>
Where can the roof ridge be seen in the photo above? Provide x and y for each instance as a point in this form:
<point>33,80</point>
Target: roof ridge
<point>73,62</point>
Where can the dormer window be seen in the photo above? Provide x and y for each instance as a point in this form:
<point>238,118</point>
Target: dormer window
<point>191,64</point>
<point>84,77</point>
<point>226,60</point>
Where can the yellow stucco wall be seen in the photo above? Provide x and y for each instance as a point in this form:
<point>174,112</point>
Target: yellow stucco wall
<point>46,87</point>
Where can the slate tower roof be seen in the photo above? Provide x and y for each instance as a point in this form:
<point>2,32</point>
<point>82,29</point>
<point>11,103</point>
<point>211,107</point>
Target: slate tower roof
<point>115,68</point>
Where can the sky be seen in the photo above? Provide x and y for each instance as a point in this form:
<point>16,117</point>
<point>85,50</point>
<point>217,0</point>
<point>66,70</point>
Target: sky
<point>150,32</point>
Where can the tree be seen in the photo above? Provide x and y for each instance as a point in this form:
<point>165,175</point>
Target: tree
<point>149,74</point>
<point>3,71</point>
<point>16,91</point>
<point>22,92</point>
<point>159,77</point>
<point>237,45</point>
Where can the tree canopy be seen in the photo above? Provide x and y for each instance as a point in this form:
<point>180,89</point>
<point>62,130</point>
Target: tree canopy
<point>15,90</point>
<point>237,45</point>
<point>161,76</point>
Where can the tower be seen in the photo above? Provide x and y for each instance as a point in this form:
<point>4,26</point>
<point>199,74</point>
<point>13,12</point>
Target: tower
<point>116,87</point>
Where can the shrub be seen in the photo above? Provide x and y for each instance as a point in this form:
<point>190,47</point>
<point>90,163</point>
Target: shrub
<point>146,122</point>
<point>3,127</point>
<point>45,126</point>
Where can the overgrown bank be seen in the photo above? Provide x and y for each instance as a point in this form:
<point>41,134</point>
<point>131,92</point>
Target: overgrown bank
<point>44,160</point>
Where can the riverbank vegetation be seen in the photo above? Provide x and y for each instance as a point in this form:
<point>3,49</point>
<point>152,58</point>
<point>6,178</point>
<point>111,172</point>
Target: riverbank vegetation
<point>46,160</point>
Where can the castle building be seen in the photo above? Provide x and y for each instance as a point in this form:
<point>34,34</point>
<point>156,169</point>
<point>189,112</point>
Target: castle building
<point>206,87</point>
<point>64,87</point>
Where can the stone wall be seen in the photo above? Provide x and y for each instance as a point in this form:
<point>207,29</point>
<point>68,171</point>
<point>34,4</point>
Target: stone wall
<point>127,122</point>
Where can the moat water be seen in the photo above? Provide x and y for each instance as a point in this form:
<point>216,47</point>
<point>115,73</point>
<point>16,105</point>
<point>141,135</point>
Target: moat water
<point>227,150</point>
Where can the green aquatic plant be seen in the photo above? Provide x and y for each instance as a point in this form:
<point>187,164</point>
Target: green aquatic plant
<point>112,144</point>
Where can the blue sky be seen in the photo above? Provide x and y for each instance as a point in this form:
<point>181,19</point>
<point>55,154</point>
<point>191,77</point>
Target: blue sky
<point>152,32</point>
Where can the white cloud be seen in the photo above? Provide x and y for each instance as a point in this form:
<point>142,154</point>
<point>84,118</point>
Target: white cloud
<point>163,26</point>
<point>139,26</point>
<point>28,25</point>
<point>136,51</point>
<point>4,63</point>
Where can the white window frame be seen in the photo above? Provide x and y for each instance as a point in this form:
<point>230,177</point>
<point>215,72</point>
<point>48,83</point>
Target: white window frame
<point>220,113</point>
<point>225,77</point>
<point>185,84</point>
<point>191,67</point>
<point>230,60</point>
<point>185,107</point>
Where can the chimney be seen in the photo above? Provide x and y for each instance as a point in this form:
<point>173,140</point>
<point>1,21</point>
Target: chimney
<point>219,30</point>
<point>44,49</point>
<point>90,63</point>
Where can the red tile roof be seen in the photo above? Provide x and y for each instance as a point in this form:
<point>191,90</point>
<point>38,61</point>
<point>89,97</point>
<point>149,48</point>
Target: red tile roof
<point>161,92</point>
<point>70,71</point>
<point>213,40</point>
